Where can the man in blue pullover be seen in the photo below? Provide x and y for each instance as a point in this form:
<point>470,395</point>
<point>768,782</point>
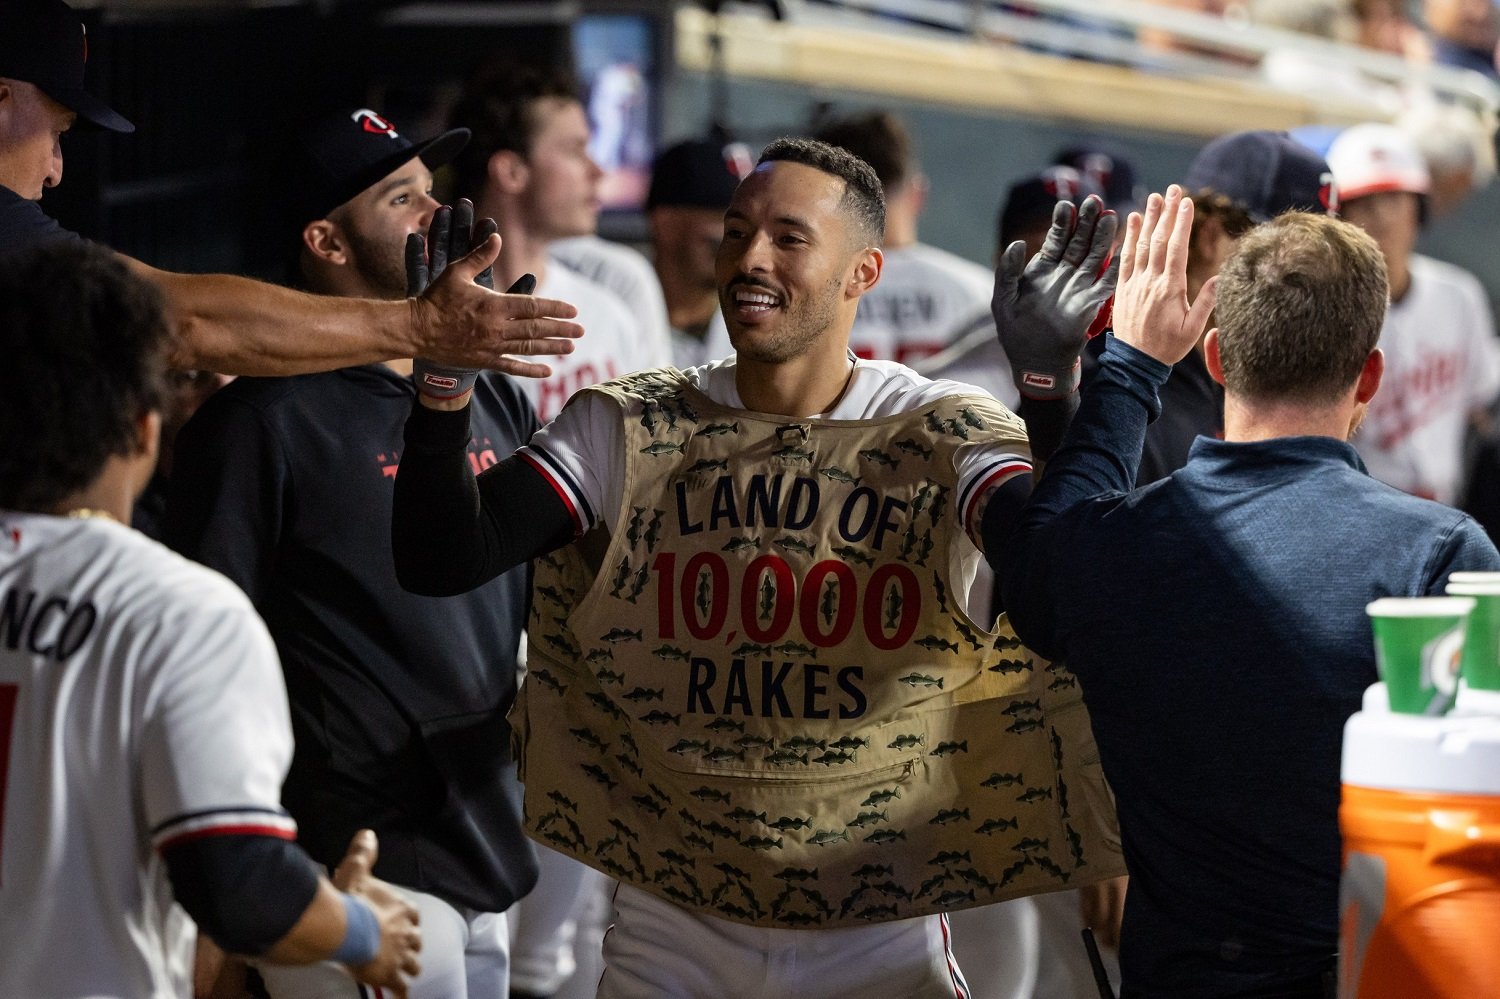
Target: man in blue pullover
<point>1216,618</point>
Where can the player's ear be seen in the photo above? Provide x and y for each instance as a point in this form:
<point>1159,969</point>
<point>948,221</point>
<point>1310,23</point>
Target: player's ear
<point>325,241</point>
<point>1211,358</point>
<point>507,170</point>
<point>866,273</point>
<point>1370,376</point>
<point>148,432</point>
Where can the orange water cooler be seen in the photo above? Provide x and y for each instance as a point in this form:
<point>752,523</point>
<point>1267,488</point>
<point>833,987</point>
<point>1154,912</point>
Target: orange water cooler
<point>1419,906</point>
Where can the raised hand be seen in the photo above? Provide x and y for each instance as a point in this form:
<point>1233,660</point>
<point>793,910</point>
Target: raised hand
<point>1043,309</point>
<point>462,325</point>
<point>1152,311</point>
<point>400,938</point>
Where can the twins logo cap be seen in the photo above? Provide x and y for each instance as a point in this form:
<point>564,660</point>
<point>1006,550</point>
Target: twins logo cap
<point>349,150</point>
<point>1030,201</point>
<point>1265,173</point>
<point>42,42</point>
<point>698,173</point>
<point>1368,159</point>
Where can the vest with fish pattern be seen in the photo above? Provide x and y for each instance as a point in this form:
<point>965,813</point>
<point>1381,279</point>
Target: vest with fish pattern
<point>760,696</point>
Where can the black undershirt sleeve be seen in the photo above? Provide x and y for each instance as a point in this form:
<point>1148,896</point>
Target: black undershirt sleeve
<point>1046,422</point>
<point>244,892</point>
<point>1001,515</point>
<point>452,532</point>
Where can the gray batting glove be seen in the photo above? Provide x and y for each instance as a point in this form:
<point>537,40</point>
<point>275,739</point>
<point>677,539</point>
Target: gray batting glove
<point>450,235</point>
<point>1043,309</point>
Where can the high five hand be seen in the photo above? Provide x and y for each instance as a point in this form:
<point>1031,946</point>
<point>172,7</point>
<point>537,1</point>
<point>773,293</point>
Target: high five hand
<point>1152,312</point>
<point>1043,309</point>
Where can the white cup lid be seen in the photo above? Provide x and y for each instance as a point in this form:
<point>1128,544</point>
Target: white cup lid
<point>1475,587</point>
<point>1419,607</point>
<point>1474,577</point>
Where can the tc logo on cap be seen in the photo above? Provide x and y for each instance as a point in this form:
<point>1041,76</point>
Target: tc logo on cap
<point>373,123</point>
<point>1328,193</point>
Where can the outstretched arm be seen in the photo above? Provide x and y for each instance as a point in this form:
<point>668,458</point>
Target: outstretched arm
<point>244,327</point>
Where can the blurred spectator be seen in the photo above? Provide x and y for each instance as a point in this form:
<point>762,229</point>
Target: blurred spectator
<point>926,296</point>
<point>1459,148</point>
<point>1386,26</point>
<point>1464,33</point>
<point>691,184</point>
<point>1299,70</point>
<point>1442,362</point>
<point>1159,40</point>
<point>1109,171</point>
<point>1329,19</point>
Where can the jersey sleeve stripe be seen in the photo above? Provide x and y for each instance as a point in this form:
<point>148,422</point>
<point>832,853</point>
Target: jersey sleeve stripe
<point>563,482</point>
<point>228,822</point>
<point>273,832</point>
<point>993,476</point>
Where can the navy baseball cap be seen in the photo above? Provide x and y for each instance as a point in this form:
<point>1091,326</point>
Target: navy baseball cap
<point>1265,173</point>
<point>347,151</point>
<point>1030,201</point>
<point>43,43</point>
<point>1110,170</point>
<point>698,173</point>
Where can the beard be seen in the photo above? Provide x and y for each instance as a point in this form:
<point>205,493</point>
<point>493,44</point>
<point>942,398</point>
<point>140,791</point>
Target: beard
<point>802,323</point>
<point>381,263</point>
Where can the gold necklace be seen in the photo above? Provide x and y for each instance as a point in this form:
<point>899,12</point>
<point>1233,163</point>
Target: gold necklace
<point>86,513</point>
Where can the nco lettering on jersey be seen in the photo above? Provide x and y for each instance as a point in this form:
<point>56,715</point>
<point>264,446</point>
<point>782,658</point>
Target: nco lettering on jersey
<point>49,626</point>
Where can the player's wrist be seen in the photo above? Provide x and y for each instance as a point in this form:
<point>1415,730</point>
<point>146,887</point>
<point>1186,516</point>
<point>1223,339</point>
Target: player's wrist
<point>361,943</point>
<point>442,383</point>
<point>450,404</point>
<point>1048,383</point>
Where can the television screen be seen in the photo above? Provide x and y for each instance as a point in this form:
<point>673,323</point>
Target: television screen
<point>616,57</point>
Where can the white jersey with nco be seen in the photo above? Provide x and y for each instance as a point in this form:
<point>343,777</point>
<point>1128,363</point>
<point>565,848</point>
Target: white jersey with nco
<point>141,705</point>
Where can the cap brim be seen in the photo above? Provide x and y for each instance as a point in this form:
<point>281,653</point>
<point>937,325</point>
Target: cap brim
<point>319,201</point>
<point>433,153</point>
<point>91,111</point>
<point>436,152</point>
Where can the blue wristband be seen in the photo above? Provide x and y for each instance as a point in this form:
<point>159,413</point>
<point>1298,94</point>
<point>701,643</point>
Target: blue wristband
<point>361,932</point>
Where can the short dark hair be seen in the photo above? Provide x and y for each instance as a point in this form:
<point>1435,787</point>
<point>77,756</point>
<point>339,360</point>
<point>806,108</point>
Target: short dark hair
<point>878,138</point>
<point>85,346</point>
<point>1301,302</point>
<point>499,108</point>
<point>863,200</point>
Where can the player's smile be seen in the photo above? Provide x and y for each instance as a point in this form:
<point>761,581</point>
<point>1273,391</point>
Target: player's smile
<point>753,300</point>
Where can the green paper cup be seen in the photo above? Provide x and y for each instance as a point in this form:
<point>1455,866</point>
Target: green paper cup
<point>1419,645</point>
<point>1481,658</point>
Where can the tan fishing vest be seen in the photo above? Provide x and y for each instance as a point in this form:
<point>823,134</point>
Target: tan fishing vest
<point>760,695</point>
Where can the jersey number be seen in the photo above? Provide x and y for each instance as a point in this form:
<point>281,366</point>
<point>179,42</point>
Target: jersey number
<point>7,714</point>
